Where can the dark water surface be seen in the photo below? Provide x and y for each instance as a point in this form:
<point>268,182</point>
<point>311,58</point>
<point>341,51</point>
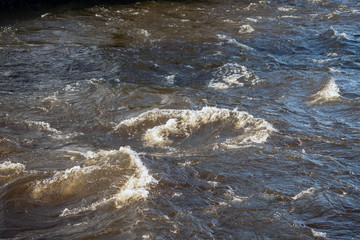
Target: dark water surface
<point>182,120</point>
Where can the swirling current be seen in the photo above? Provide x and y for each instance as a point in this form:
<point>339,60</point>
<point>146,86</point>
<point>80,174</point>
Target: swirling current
<point>234,119</point>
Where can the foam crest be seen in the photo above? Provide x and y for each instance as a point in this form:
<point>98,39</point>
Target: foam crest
<point>234,42</point>
<point>254,6</point>
<point>286,9</point>
<point>103,174</point>
<point>42,126</point>
<point>9,170</point>
<point>92,207</point>
<point>330,92</point>
<point>230,195</point>
<point>14,167</point>
<point>317,234</point>
<point>340,35</point>
<point>135,187</point>
<point>161,128</point>
<point>335,36</point>
<point>232,75</point>
<point>246,29</point>
<point>304,193</point>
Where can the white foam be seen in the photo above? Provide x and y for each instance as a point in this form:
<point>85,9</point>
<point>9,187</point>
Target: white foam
<point>17,167</point>
<point>234,42</point>
<point>341,35</point>
<point>67,135</point>
<point>51,98</point>
<point>304,193</point>
<point>233,197</point>
<point>43,126</point>
<point>334,70</point>
<point>170,79</point>
<point>70,88</point>
<point>329,92</point>
<point>165,123</point>
<point>332,54</point>
<point>318,234</point>
<point>290,16</point>
<point>252,20</point>
<point>250,6</point>
<point>92,207</point>
<point>218,85</point>
<point>228,21</point>
<point>246,29</point>
<point>286,9</point>
<point>144,33</point>
<point>232,75</point>
<point>45,14</point>
<point>159,134</point>
<point>254,6</point>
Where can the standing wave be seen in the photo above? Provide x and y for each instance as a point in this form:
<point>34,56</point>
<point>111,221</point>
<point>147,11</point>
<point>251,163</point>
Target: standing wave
<point>117,177</point>
<point>208,126</point>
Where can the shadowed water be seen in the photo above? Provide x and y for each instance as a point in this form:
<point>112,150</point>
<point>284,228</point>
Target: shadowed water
<point>181,120</point>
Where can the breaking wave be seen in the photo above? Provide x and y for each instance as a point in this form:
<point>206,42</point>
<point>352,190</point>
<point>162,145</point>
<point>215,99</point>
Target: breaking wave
<point>304,193</point>
<point>9,170</point>
<point>116,176</point>
<point>165,127</point>
<point>330,92</point>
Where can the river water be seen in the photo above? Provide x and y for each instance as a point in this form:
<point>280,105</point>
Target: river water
<point>182,120</point>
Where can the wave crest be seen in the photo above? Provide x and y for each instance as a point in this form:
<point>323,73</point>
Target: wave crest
<point>330,92</point>
<point>116,176</point>
<point>165,127</point>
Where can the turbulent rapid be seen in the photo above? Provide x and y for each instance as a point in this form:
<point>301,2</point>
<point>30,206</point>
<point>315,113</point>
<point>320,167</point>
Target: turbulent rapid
<point>233,119</point>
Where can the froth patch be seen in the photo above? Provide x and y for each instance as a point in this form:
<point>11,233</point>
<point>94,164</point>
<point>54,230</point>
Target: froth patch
<point>330,92</point>
<point>246,29</point>
<point>232,75</point>
<point>210,126</point>
<point>42,126</point>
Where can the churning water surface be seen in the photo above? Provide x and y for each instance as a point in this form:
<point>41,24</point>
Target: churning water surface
<point>182,120</point>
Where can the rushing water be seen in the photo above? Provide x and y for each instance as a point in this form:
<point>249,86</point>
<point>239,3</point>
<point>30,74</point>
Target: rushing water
<point>182,120</point>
